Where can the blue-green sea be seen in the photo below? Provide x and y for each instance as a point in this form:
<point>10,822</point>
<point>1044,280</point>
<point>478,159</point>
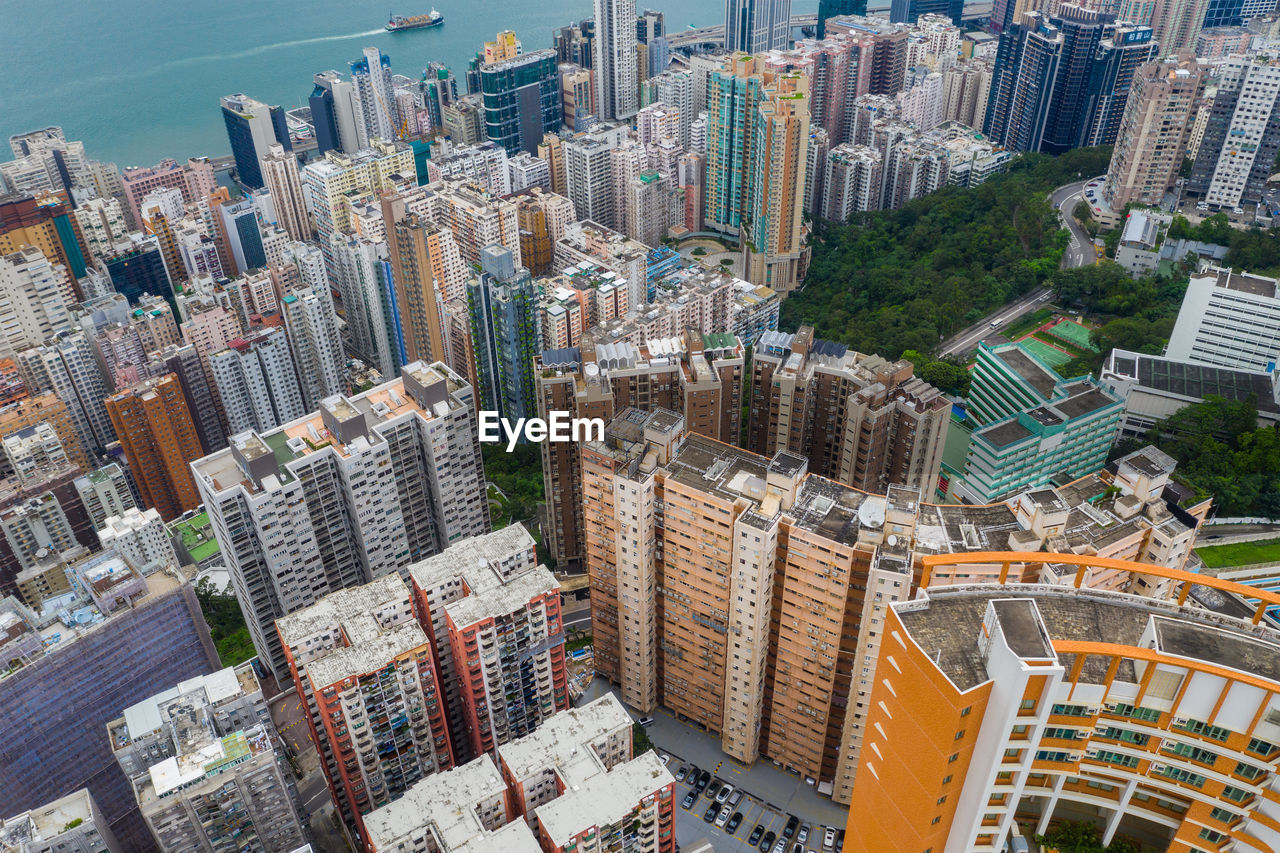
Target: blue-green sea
<point>139,80</point>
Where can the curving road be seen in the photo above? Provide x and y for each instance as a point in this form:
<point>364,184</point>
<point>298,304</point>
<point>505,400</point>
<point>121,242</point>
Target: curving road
<point>1077,254</point>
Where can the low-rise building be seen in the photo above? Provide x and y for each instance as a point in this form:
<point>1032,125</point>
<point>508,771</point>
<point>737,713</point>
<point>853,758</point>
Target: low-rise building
<point>70,824</point>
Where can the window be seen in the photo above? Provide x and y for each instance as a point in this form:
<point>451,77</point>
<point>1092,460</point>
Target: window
<point>1261,747</point>
<point>1195,753</point>
<point>1212,836</point>
<point>1248,771</point>
<point>1205,730</point>
<point>1150,715</point>
<point>1221,814</point>
<point>1235,795</point>
<point>1071,710</point>
<point>959,734</point>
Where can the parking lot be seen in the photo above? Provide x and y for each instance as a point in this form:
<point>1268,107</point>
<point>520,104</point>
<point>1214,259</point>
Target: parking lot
<point>771,794</point>
<point>692,827</point>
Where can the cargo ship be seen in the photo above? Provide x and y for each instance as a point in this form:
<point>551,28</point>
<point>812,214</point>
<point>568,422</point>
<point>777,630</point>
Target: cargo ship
<point>414,22</point>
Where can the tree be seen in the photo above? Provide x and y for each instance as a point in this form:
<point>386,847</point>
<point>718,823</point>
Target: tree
<point>226,624</point>
<point>896,280</point>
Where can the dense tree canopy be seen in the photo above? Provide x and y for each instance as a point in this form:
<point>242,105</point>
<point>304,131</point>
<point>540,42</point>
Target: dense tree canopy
<point>891,281</point>
<point>1223,453</point>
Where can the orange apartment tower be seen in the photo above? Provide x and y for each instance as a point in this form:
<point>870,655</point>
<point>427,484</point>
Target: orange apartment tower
<point>159,439</point>
<point>1004,709</point>
<point>696,375</point>
<point>750,595</point>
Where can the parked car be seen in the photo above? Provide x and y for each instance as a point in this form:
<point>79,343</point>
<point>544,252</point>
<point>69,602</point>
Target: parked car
<point>734,822</point>
<point>723,817</point>
<point>756,835</point>
<point>804,834</point>
<point>681,771</point>
<point>664,758</point>
<point>736,797</point>
<point>688,801</point>
<point>790,829</point>
<point>780,847</point>
<point>645,721</point>
<point>829,839</point>
<point>710,814</point>
<point>723,793</point>
<point>766,842</point>
<point>713,788</point>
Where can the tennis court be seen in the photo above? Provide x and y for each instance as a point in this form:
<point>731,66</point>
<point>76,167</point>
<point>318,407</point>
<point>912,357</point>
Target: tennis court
<point>1051,356</point>
<point>1071,332</point>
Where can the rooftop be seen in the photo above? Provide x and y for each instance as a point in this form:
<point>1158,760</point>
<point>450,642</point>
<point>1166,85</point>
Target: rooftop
<point>723,470</point>
<point>947,622</point>
<point>609,798</point>
<point>1193,381</point>
<point>46,822</point>
<point>1028,368</point>
<point>559,742</point>
<point>153,713</point>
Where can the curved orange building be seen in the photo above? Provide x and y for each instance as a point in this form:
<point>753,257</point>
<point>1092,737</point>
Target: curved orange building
<point>1003,709</point>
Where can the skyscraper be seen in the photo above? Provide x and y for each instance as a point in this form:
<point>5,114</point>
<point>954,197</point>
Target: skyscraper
<point>1242,137</point>
<point>521,99</point>
<point>334,113</point>
<point>368,299</point>
<point>159,441</point>
<point>1011,700</point>
<point>280,173</point>
<point>1152,137</point>
<point>774,251</point>
<point>1022,83</point>
<point>614,62</point>
<point>252,128</point>
<point>416,245</point>
<point>68,366</point>
<point>315,344</point>
<point>733,94</point>
<point>257,382</point>
<point>506,333</point>
<point>754,26</point>
<point>375,96</point>
<point>36,296</point>
<point>1124,49</point>
<point>489,593</point>
<point>342,496</point>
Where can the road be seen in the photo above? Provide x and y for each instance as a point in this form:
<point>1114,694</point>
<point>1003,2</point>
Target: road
<point>1078,253</point>
<point>1081,251</point>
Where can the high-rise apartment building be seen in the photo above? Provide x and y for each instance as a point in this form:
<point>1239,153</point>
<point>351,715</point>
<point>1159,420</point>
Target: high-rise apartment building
<point>375,97</point>
<point>492,615</point>
<point>576,783</point>
<point>588,168</point>
<point>55,708</point>
<point>159,440</point>
<point>859,419</point>
<point>330,183</point>
<point>774,251</point>
<point>70,824</point>
<point>543,217</point>
<point>36,296</point>
<point>418,247</point>
<point>105,493</point>
<point>1023,83</point>
<point>1007,703</point>
<point>734,93</point>
<point>1152,138</point>
<point>614,60</point>
<point>1242,135</point>
<point>336,115</point>
<point>363,271</point>
<point>204,761</point>
<point>672,529</point>
<point>257,382</point>
<point>699,376</point>
<point>342,496</point>
<point>1124,49</point>
<point>252,128</point>
<point>282,180</point>
<point>184,363</point>
<point>68,366</point>
<point>46,225</point>
<point>506,334</point>
<point>522,101</point>
<point>754,27</point>
<point>366,670</point>
<point>313,336</point>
